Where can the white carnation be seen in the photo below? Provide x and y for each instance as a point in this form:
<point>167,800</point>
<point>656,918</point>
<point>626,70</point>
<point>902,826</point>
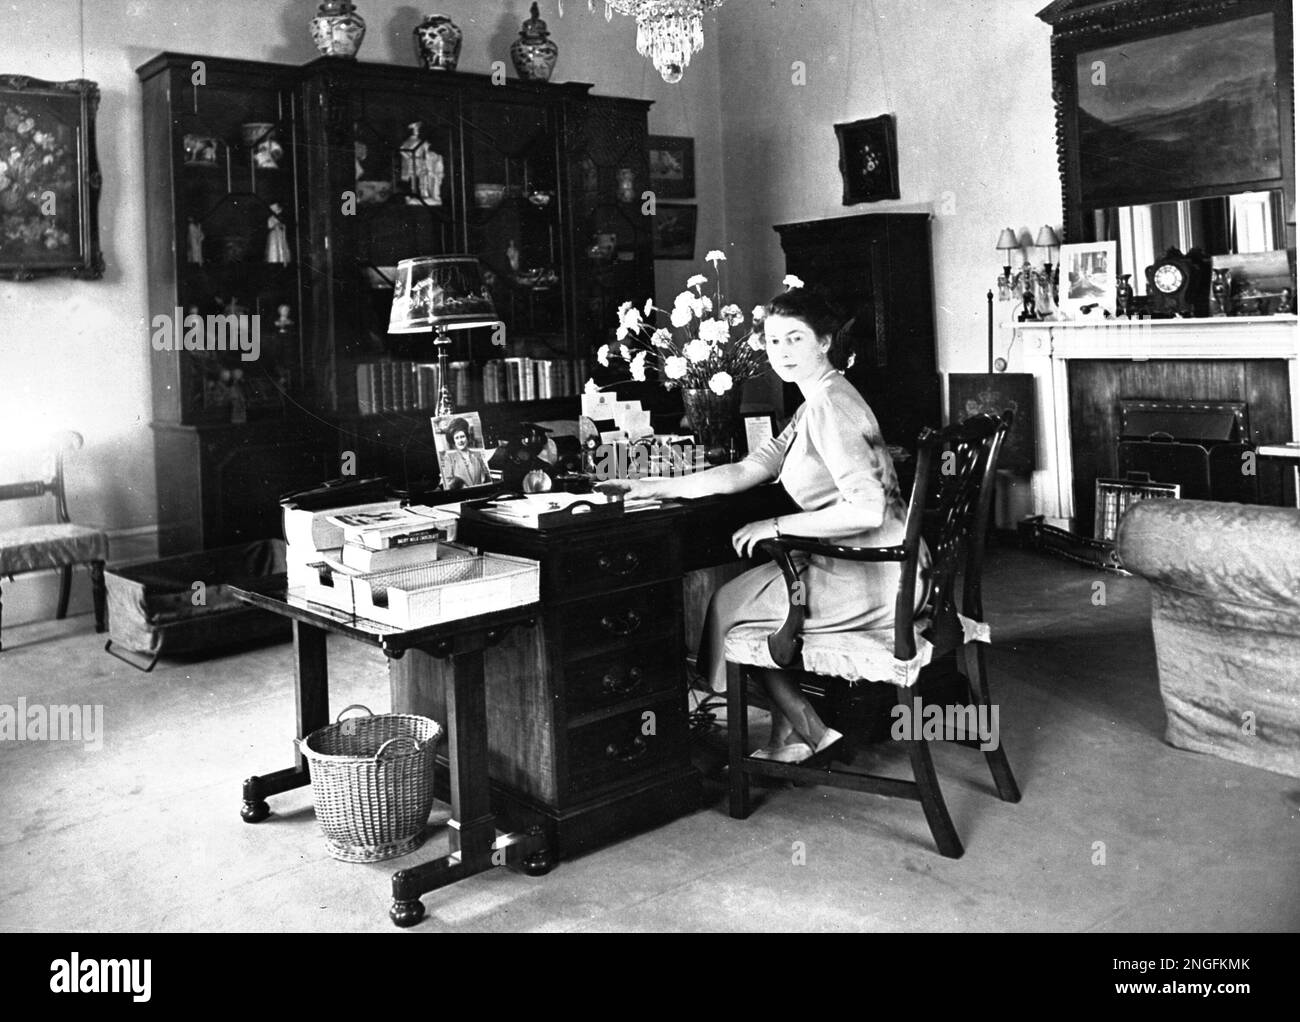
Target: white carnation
<point>638,367</point>
<point>720,383</point>
<point>602,355</point>
<point>698,350</point>
<point>680,316</point>
<point>674,367</point>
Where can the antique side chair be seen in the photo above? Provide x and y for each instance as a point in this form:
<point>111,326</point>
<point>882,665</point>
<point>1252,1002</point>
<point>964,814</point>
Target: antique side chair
<point>966,457</point>
<point>60,544</point>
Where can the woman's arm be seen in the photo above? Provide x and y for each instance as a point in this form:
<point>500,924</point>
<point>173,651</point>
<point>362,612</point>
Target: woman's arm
<point>830,523</point>
<point>743,475</point>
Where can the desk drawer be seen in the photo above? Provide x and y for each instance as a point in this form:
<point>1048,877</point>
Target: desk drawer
<point>615,748</point>
<point>620,619</point>
<point>630,673</point>
<point>627,558</point>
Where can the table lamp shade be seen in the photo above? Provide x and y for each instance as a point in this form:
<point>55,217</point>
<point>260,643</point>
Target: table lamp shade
<point>440,293</point>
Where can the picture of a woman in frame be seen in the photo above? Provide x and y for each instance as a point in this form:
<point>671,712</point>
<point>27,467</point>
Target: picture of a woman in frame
<point>461,465</point>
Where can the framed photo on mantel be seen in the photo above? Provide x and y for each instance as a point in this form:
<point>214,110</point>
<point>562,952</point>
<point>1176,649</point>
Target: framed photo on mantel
<point>49,179</point>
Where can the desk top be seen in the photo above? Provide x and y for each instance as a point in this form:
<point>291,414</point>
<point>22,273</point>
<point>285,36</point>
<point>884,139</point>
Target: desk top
<point>271,594</point>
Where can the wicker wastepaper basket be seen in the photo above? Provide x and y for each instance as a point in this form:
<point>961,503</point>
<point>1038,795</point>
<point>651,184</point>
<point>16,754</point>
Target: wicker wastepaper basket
<point>372,782</point>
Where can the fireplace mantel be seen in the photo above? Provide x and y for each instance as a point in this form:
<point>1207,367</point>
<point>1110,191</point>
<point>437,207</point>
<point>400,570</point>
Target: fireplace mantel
<point>1047,348</point>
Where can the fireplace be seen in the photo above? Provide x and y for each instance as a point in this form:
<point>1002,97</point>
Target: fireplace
<point>1085,372</point>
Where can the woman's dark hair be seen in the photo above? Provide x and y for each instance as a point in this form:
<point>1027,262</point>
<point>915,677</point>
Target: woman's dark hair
<point>457,426</point>
<point>822,319</point>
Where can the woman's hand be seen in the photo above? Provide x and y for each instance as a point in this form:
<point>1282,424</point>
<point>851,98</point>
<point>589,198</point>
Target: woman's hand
<point>745,539</point>
<point>622,487</point>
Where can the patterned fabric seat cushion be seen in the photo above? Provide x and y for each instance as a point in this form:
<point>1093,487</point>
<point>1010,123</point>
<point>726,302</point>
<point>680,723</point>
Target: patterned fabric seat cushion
<point>33,547</point>
<point>863,655</point>
<point>866,655</point>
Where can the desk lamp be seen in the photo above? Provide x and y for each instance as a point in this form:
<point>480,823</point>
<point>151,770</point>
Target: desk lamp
<point>441,294</point>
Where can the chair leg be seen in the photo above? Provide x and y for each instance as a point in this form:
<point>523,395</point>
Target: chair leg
<point>98,594</point>
<point>927,784</point>
<point>999,766</point>
<point>65,590</point>
<point>737,742</point>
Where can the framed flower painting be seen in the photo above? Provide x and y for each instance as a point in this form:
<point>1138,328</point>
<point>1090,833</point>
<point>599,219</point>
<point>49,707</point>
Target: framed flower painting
<point>49,179</point>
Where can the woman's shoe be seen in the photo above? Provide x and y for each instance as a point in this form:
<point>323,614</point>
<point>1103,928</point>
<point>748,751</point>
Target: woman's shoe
<point>799,752</point>
<point>832,746</point>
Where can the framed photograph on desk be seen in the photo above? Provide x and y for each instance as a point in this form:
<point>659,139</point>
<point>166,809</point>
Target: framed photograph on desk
<point>462,457</point>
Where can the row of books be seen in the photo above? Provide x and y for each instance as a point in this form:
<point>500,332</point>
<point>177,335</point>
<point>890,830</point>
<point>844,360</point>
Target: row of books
<point>389,386</point>
<point>396,386</point>
<point>532,379</point>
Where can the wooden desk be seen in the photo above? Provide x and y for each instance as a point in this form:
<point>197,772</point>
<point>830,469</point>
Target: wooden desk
<point>474,843</point>
<point>588,733</point>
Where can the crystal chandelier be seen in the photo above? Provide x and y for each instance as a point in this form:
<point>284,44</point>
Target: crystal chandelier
<point>669,32</point>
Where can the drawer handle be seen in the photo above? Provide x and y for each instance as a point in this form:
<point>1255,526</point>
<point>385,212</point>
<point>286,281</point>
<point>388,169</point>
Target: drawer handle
<point>613,686</point>
<point>624,565</point>
<point>629,623</point>
<point>628,753</point>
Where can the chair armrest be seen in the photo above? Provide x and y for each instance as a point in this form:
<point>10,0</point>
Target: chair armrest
<point>847,553</point>
<point>785,645</point>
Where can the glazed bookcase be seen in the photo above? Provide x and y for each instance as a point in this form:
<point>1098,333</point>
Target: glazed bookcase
<point>542,182</point>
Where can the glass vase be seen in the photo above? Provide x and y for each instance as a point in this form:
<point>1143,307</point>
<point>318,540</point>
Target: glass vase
<point>715,421</point>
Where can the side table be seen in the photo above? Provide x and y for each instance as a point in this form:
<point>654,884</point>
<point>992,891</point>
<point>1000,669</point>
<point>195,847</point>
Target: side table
<point>474,843</point>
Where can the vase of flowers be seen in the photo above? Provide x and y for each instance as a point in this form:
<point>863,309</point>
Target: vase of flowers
<point>708,351</point>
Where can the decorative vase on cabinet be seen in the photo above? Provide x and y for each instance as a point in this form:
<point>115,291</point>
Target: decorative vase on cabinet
<point>337,29</point>
<point>437,42</point>
<point>534,53</point>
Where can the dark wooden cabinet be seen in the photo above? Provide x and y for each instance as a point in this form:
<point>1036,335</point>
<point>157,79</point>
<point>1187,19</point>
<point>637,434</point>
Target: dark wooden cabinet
<point>877,268</point>
<point>542,182</point>
<point>588,730</point>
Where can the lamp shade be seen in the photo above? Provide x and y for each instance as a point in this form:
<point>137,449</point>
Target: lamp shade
<point>1007,240</point>
<point>440,292</point>
<point>1047,238</point>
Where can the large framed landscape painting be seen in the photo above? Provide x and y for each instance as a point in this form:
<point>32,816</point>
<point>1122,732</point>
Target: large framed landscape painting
<point>1160,102</point>
<point>49,179</point>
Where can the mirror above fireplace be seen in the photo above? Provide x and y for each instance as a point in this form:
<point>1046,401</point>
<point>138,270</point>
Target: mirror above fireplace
<point>1167,113</point>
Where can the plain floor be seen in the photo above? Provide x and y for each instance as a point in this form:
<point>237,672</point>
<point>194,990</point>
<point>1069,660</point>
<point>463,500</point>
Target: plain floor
<point>1117,831</point>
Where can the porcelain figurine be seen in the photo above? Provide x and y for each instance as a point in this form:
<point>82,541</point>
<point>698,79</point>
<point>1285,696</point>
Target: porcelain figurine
<point>277,240</point>
<point>194,243</point>
<point>422,169</point>
<point>534,52</point>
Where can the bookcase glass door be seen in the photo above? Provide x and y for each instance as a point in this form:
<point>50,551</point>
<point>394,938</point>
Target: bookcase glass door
<point>238,247</point>
<point>608,174</point>
<point>514,224</point>
<point>409,203</point>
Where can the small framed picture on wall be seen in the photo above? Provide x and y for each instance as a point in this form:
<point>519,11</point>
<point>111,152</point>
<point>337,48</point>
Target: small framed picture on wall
<point>674,231</point>
<point>868,159</point>
<point>672,166</point>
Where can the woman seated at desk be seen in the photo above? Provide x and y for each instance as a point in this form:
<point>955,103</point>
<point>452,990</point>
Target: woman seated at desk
<point>833,462</point>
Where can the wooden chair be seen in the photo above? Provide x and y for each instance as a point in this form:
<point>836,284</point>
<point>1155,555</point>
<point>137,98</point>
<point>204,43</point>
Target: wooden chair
<point>60,544</point>
<point>965,456</point>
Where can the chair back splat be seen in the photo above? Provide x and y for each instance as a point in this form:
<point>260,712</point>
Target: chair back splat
<point>955,529</point>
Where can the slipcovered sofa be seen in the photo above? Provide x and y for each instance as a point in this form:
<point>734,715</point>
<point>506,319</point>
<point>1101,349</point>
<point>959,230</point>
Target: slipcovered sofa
<point>1225,612</point>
